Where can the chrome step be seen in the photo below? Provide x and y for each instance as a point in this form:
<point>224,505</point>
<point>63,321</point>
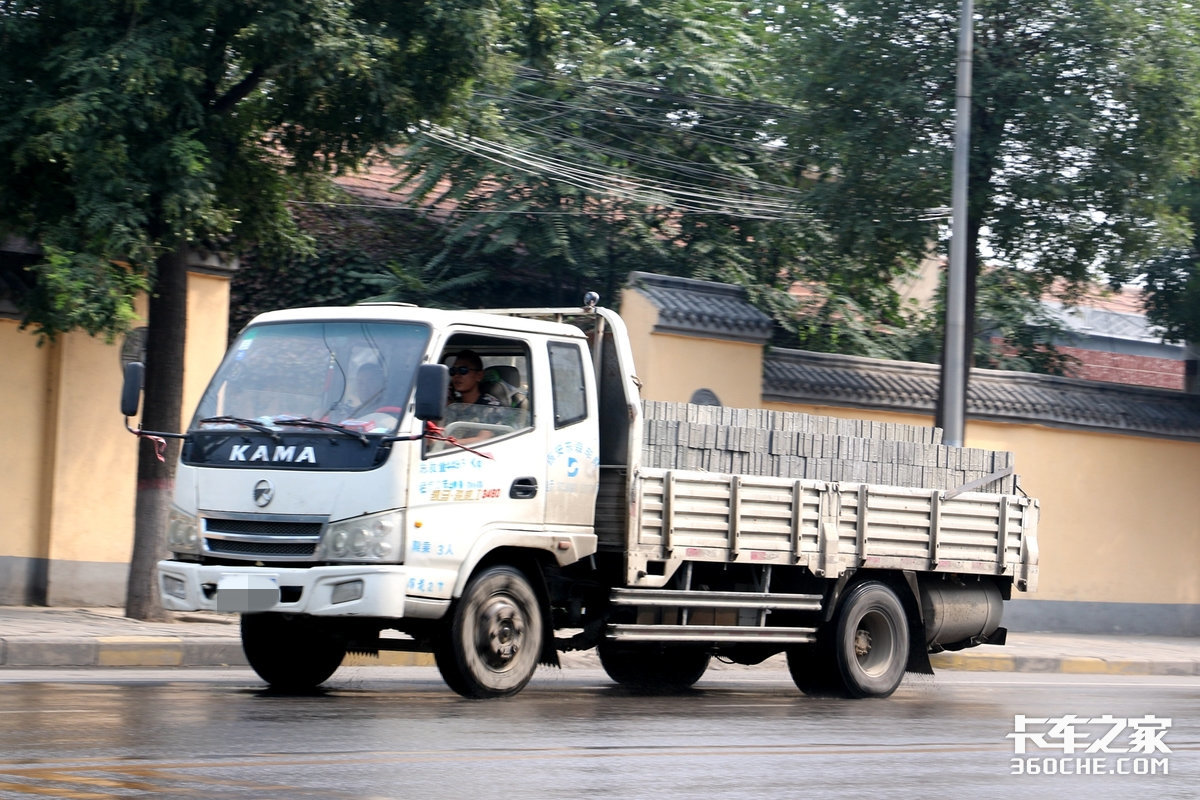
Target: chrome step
<point>711,633</point>
<point>674,598</point>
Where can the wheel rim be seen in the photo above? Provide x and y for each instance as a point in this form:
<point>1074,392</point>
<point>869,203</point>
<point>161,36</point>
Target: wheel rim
<point>500,635</point>
<point>874,643</point>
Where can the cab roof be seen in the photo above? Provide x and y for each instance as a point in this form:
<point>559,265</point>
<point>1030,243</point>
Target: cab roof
<point>501,320</point>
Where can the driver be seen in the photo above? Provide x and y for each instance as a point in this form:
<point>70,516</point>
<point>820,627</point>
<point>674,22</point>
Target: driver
<point>466,396</point>
<point>466,373</point>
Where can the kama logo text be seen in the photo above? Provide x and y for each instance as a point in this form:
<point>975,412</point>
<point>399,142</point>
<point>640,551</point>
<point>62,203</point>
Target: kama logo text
<point>289,454</point>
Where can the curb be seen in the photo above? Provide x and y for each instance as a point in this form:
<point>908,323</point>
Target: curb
<point>159,651</point>
<point>120,651</point>
<point>388,658</point>
<point>1069,665</point>
<point>210,651</point>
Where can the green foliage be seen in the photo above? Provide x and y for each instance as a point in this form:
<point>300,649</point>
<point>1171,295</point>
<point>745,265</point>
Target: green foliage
<point>357,255</point>
<point>1083,112</point>
<point>1173,279</point>
<point>629,136</point>
<point>1015,330</point>
<point>1173,295</point>
<point>77,291</point>
<point>130,129</point>
<point>809,143</point>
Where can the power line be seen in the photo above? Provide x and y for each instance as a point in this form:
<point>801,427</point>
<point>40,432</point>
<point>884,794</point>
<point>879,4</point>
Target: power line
<point>599,180</point>
<point>600,212</point>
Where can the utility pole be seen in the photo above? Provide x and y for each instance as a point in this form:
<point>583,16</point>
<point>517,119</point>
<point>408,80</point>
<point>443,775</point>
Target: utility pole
<point>953,389</point>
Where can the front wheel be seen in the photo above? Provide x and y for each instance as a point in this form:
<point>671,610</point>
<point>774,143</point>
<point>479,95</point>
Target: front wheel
<point>495,639</point>
<point>291,653</point>
<point>870,643</point>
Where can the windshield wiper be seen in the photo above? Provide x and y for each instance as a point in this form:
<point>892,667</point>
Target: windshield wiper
<point>309,422</point>
<point>249,423</point>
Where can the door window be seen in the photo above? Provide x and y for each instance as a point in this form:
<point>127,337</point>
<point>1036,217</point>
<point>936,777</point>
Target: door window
<point>566,373</point>
<point>489,388</point>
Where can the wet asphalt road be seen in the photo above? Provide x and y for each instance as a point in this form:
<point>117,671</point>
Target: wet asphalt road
<point>398,733</point>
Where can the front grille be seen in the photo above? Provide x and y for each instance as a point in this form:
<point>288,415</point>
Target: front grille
<point>262,538</point>
<point>254,527</point>
<point>261,550</point>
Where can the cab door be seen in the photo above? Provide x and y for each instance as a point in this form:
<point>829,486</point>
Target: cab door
<point>498,481</point>
<point>572,438</point>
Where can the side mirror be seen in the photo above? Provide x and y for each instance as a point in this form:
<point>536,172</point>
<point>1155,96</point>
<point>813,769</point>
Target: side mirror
<point>433,382</point>
<point>131,391</point>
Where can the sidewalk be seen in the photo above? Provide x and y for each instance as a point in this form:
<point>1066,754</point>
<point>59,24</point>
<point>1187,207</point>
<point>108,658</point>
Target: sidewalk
<point>102,637</point>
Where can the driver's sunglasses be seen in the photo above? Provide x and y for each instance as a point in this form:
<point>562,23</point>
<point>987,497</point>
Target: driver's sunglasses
<point>462,370</point>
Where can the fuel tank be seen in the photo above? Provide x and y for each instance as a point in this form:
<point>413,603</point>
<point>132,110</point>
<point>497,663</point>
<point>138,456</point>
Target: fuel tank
<point>956,612</point>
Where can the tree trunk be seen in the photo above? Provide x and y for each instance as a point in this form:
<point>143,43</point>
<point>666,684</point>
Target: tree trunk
<point>163,399</point>
<point>974,224</point>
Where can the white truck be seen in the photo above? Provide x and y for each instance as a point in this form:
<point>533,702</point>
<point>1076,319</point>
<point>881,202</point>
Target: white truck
<point>340,517</point>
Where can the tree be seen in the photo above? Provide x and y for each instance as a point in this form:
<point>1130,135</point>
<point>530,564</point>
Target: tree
<point>1082,115</point>
<point>810,143</point>
<point>133,132</point>
<point>1172,279</point>
<point>630,136</point>
<point>352,246</point>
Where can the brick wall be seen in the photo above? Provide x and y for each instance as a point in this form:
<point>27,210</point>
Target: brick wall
<point>1123,368</point>
<point>1097,365</point>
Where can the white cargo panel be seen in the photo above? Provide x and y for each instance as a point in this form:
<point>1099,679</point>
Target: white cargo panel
<point>682,515</point>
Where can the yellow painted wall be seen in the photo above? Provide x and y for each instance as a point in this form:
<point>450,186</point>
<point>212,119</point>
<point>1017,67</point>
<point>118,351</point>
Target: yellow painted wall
<point>1120,514</point>
<point>208,326</point>
<point>93,459</point>
<point>24,400</point>
<point>672,367</point>
<point>69,497</point>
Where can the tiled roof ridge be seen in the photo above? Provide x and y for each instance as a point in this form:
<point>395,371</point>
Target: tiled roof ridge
<point>798,376</point>
<point>697,307</point>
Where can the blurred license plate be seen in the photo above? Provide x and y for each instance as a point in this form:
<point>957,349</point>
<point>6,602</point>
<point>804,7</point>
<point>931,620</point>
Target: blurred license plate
<point>242,593</point>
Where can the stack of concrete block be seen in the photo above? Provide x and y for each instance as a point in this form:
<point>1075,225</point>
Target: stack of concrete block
<point>794,445</point>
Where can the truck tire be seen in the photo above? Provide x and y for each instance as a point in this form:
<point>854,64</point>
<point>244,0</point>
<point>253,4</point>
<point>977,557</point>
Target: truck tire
<point>870,641</point>
<point>653,667</point>
<point>493,645</point>
<point>291,653</point>
<point>813,670</point>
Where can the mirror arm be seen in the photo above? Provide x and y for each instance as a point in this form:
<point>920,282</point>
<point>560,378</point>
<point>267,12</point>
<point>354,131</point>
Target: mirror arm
<point>139,432</point>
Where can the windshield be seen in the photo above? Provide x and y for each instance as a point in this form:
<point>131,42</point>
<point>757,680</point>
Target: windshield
<point>353,375</point>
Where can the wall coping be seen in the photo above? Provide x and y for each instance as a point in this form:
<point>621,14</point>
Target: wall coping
<point>691,307</point>
<point>804,377</point>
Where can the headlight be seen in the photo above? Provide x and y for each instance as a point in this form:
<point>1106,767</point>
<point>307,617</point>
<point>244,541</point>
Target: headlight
<point>374,537</point>
<point>183,532</point>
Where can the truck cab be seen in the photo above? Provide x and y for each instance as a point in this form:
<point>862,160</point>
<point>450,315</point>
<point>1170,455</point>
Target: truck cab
<point>310,490</point>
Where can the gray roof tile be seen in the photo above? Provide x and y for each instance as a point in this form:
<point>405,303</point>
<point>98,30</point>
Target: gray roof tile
<point>701,308</point>
<point>797,376</point>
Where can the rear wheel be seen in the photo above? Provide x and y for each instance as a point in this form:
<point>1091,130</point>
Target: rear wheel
<point>653,667</point>
<point>813,669</point>
<point>494,643</point>
<point>291,653</point>
<point>870,642</point>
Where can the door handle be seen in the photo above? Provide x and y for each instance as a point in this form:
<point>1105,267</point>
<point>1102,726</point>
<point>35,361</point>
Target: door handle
<point>523,489</point>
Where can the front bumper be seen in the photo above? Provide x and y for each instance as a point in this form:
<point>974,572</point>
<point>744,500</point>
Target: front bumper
<point>352,590</point>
